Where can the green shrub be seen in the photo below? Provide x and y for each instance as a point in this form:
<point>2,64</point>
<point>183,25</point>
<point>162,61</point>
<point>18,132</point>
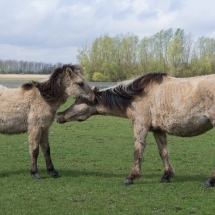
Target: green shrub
<point>97,76</point>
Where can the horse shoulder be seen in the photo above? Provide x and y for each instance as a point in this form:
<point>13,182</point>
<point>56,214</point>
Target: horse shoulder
<point>139,111</point>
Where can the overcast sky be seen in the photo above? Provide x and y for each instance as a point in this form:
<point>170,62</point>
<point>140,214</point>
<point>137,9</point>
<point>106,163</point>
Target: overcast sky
<point>50,31</point>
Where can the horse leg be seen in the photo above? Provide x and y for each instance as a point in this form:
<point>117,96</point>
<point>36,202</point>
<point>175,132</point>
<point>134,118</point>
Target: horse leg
<point>44,144</point>
<point>34,139</point>
<point>140,133</point>
<point>161,141</point>
<point>211,181</point>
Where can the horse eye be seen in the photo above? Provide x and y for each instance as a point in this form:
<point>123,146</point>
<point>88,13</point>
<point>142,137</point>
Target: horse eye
<point>81,84</point>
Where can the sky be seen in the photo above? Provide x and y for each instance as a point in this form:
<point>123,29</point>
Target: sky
<point>51,31</point>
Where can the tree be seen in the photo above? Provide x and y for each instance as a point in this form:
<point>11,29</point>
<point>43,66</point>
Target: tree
<point>125,56</point>
<point>174,52</point>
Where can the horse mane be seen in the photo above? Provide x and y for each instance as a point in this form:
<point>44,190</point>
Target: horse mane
<point>50,89</point>
<point>121,96</point>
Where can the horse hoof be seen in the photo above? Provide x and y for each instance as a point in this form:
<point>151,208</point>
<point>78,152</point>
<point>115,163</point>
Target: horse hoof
<point>128,181</point>
<point>208,183</point>
<point>54,174</point>
<point>164,180</point>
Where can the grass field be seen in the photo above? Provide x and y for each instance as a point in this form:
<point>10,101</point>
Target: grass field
<point>93,158</point>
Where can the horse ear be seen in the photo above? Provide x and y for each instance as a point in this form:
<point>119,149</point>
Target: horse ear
<point>70,72</point>
<point>73,70</point>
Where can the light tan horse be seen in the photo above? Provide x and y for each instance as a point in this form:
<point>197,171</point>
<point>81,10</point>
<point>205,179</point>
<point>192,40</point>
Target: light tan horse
<point>32,107</point>
<point>158,103</point>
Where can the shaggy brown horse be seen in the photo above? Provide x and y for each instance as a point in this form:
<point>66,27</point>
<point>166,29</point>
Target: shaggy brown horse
<point>158,103</point>
<point>32,107</point>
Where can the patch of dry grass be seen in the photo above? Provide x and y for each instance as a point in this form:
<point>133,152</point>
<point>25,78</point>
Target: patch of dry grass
<point>23,76</point>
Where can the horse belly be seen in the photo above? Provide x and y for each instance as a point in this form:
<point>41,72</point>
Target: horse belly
<point>10,124</point>
<point>187,126</point>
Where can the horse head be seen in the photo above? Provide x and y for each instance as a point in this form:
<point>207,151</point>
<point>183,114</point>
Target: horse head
<point>79,111</point>
<point>63,83</point>
<point>75,85</point>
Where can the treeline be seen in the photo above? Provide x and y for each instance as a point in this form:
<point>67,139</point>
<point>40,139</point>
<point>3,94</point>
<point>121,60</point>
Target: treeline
<point>126,56</point>
<point>26,67</point>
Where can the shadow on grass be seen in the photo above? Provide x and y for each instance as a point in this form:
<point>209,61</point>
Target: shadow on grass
<point>189,178</point>
<point>84,173</point>
<point>181,178</point>
<point>63,172</point>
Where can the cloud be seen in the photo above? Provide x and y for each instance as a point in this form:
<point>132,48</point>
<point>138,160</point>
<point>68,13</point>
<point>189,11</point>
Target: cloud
<point>48,55</point>
<point>52,30</point>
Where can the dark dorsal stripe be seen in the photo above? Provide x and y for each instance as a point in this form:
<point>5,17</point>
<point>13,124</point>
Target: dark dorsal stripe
<point>121,96</point>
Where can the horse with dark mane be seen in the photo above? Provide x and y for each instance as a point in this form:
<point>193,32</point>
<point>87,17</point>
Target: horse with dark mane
<point>158,103</point>
<point>32,107</point>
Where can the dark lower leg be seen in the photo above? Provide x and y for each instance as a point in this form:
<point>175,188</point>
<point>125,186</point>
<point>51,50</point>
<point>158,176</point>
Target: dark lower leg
<point>166,177</point>
<point>161,141</point>
<point>140,133</point>
<point>211,181</point>
<point>135,172</point>
<point>49,164</point>
<point>168,169</point>
<point>211,115</point>
<point>34,170</point>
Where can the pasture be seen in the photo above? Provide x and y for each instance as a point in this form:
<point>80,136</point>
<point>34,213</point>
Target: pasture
<point>93,158</point>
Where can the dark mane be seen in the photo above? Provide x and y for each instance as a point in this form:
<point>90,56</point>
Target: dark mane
<point>50,90</point>
<point>121,96</point>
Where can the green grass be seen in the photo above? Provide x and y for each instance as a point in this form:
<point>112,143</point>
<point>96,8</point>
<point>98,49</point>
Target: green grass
<point>93,158</point>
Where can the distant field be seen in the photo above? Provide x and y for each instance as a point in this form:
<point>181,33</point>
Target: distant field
<point>15,80</point>
<point>23,76</point>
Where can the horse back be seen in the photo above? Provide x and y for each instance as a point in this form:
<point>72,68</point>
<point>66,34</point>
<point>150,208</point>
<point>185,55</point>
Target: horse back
<point>20,108</point>
<point>177,93</point>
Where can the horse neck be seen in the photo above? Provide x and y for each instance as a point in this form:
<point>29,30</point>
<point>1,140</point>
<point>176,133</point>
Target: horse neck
<point>102,110</point>
<point>62,100</point>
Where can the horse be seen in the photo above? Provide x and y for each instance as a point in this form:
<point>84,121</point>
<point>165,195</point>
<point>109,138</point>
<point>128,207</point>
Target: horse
<point>32,107</point>
<point>157,103</point>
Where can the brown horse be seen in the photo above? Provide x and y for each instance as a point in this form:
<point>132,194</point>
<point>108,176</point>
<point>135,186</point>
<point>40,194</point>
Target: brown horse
<point>32,107</point>
<point>158,103</point>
